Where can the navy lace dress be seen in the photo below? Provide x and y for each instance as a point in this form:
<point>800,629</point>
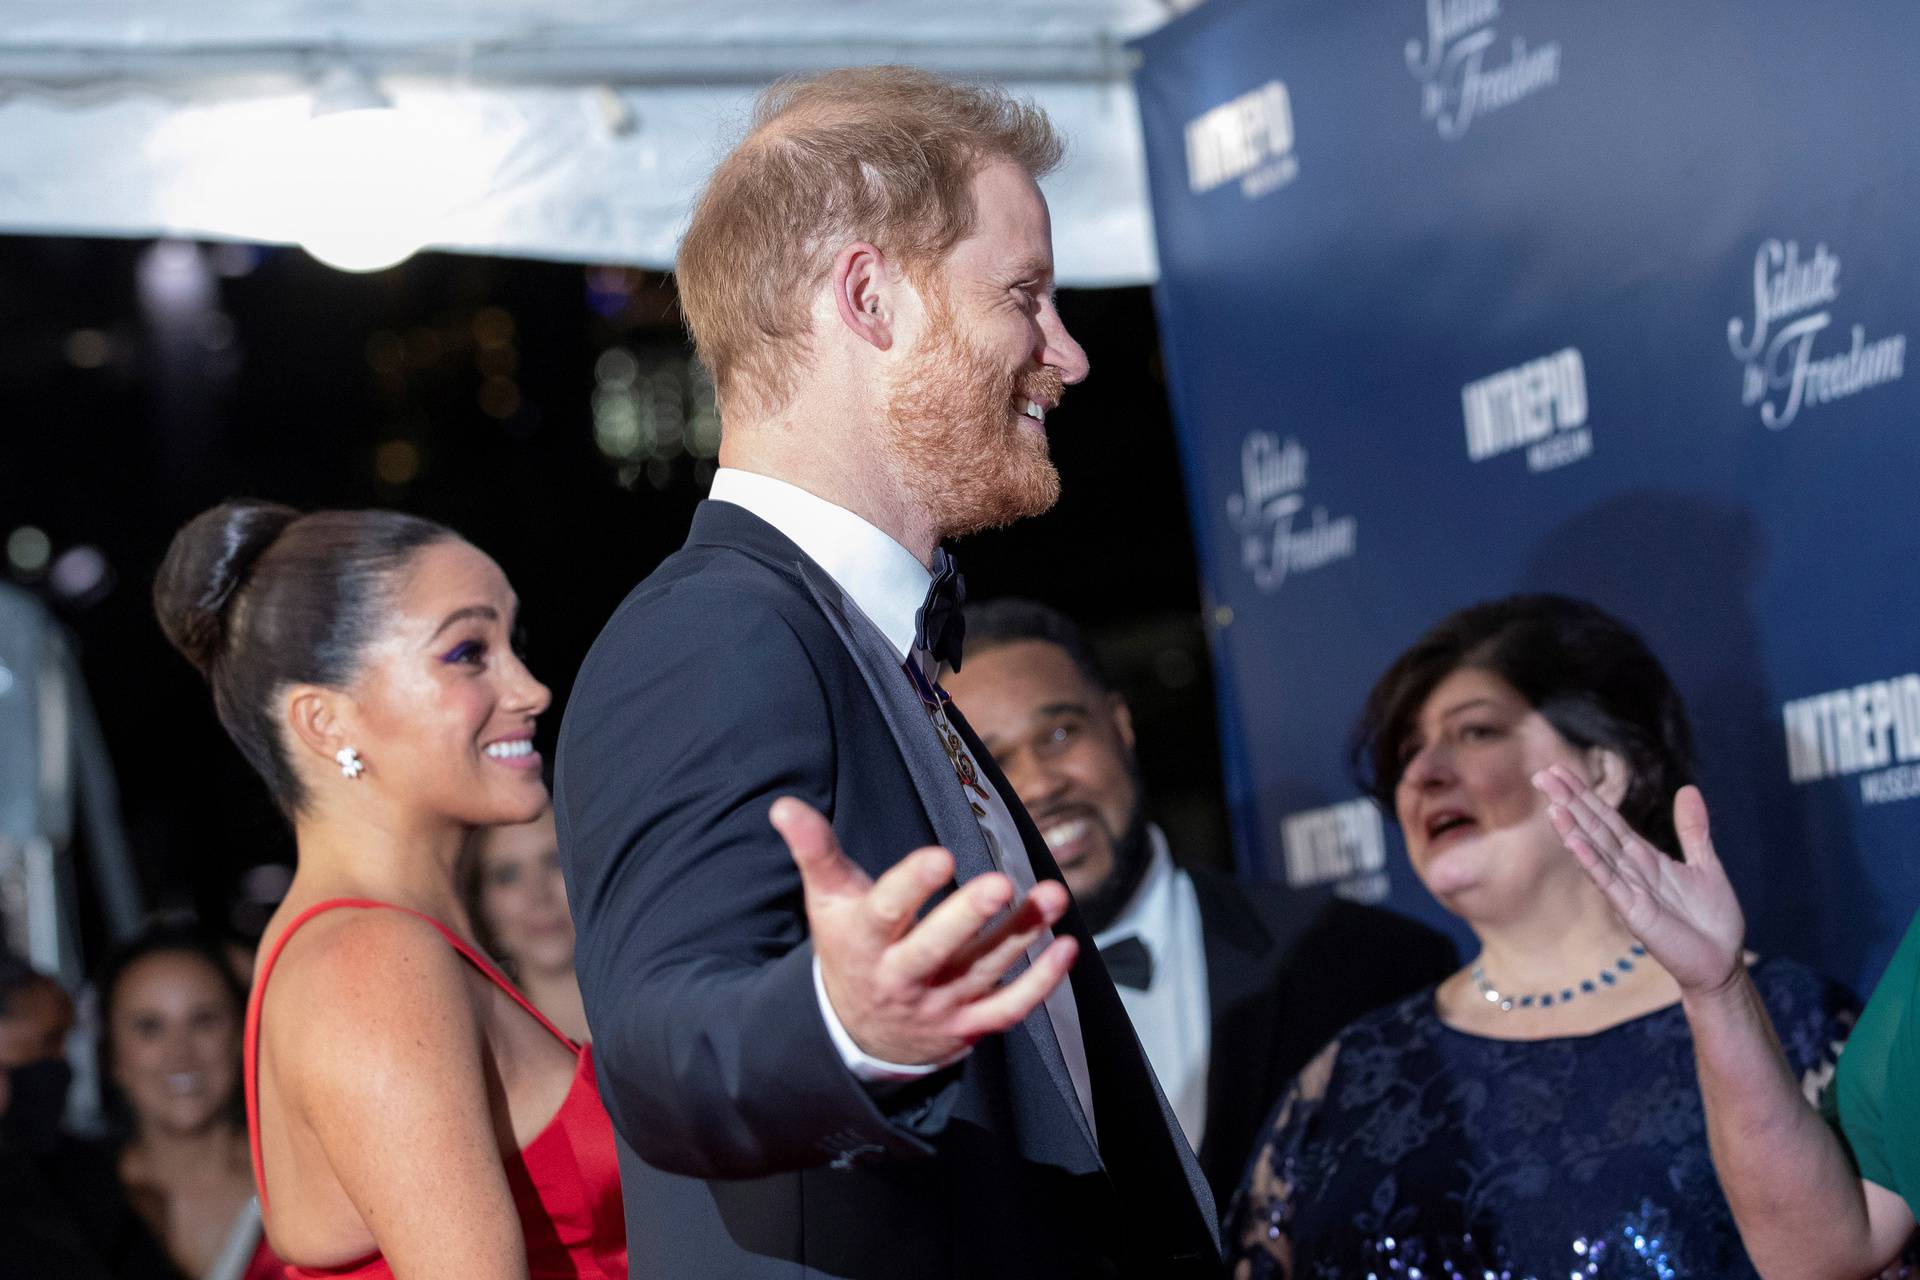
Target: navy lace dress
<point>1411,1151</point>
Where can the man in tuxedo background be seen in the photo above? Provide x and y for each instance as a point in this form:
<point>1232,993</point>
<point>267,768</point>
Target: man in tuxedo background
<point>1232,986</point>
<point>845,1018</point>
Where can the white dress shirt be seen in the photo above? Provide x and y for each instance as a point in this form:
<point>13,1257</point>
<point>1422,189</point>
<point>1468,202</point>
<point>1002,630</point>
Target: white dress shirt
<point>888,584</point>
<point>1171,1016</point>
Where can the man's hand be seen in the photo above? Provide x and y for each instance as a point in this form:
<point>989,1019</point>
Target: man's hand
<point>920,993</point>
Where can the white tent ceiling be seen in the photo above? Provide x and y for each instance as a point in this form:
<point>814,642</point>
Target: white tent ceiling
<point>574,132</point>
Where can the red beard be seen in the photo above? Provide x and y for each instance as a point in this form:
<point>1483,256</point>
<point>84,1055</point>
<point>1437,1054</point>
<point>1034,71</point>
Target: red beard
<point>953,430</point>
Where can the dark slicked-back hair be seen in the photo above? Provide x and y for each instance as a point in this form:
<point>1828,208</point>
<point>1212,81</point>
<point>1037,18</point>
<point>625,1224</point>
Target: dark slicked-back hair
<point>1009,620</point>
<point>258,596</point>
<point>1591,677</point>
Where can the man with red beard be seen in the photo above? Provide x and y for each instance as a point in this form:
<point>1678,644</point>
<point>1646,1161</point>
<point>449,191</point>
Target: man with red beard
<point>846,1019</point>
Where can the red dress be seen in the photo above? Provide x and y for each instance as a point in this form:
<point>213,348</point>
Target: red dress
<point>566,1182</point>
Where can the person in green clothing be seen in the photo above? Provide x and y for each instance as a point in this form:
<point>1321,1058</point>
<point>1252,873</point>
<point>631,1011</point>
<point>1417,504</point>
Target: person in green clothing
<point>1826,1201</point>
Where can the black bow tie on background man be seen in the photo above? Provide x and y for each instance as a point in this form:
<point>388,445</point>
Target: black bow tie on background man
<point>941,622</point>
<point>1129,963</point>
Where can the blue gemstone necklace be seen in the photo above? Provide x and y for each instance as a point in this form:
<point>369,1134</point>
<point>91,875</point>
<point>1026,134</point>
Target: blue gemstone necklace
<point>1610,976</point>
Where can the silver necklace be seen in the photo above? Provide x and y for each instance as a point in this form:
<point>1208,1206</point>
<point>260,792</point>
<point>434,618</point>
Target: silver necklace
<point>1610,976</point>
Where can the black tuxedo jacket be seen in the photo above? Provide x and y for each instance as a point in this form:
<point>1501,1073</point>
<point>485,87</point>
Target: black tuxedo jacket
<point>735,674</point>
<point>1285,972</point>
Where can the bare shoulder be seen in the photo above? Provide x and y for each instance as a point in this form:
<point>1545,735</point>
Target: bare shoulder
<point>368,986</point>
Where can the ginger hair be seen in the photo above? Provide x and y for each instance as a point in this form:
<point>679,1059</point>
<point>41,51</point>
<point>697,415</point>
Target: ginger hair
<point>881,154</point>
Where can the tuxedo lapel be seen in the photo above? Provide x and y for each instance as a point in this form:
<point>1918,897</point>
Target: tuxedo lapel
<point>933,778</point>
<point>946,804</point>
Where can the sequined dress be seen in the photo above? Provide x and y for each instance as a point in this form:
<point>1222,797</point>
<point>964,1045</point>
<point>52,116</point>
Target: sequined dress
<point>1408,1149</point>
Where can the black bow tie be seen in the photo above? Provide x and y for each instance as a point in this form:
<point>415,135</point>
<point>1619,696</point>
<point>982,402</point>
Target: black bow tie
<point>1129,962</point>
<point>941,622</point>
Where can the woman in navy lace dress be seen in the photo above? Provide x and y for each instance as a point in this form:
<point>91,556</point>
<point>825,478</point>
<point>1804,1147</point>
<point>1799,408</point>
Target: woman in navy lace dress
<point>1536,1115</point>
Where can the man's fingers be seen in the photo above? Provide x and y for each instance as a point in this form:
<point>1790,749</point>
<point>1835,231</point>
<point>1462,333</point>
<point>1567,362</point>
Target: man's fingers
<point>980,965</point>
<point>1007,1006</point>
<point>898,895</point>
<point>935,943</point>
<point>824,870</point>
<point>990,966</point>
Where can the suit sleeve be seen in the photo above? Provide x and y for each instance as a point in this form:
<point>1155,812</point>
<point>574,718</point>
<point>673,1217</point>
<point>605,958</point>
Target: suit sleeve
<point>698,709</point>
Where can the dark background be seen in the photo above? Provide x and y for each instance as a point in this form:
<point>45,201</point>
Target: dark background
<point>143,383</point>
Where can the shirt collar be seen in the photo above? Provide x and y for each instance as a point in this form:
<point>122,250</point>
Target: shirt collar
<point>1150,901</point>
<point>881,577</point>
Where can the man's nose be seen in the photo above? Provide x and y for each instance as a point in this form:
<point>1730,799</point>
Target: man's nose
<point>1061,351</point>
<point>1035,781</point>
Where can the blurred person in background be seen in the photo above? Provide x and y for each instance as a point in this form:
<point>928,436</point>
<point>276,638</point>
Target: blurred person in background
<point>1536,1113</point>
<point>411,1113</point>
<point>171,1194</point>
<point>1230,985</point>
<point>38,1236</point>
<point>518,900</point>
<point>36,1015</point>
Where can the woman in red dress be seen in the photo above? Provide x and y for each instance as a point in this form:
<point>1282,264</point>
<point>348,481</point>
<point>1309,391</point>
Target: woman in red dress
<point>411,1114</point>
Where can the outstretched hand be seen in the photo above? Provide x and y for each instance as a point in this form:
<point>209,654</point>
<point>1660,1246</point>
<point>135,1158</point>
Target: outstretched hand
<point>1684,913</point>
<point>920,993</point>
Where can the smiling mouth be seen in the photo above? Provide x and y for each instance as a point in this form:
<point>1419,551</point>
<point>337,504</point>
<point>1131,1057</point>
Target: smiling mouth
<point>1063,836</point>
<point>517,749</point>
<point>1035,410</point>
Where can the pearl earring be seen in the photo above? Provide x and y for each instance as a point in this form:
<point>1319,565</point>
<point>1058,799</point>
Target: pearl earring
<point>351,764</point>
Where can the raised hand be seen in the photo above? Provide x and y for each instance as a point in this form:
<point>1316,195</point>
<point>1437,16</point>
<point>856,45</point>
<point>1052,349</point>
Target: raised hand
<point>920,993</point>
<point>1684,913</point>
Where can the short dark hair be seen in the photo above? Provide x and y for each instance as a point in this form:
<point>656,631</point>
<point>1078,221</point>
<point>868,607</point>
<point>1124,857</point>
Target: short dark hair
<point>165,936</point>
<point>992,624</point>
<point>1588,674</point>
<point>258,596</point>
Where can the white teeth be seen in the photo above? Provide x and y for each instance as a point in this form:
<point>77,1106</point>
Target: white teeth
<point>510,750</point>
<point>1063,833</point>
<point>1034,411</point>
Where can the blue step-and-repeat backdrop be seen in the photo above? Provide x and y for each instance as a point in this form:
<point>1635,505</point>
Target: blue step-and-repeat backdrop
<point>1467,297</point>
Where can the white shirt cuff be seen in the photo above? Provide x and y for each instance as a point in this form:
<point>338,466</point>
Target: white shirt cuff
<point>865,1067</point>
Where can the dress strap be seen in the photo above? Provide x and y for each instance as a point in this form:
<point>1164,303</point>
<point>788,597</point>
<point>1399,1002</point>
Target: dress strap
<point>258,1002</point>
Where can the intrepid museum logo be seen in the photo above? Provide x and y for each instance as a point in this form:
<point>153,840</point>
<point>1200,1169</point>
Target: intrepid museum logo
<point>1792,305</point>
<point>1462,74</point>
<point>1344,845</point>
<point>1540,406</point>
<point>1279,537</point>
<point>1871,729</point>
<point>1249,138</point>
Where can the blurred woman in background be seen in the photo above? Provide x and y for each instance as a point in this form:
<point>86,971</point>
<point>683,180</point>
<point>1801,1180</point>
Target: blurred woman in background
<point>518,899</point>
<point>1536,1113</point>
<point>182,1202</point>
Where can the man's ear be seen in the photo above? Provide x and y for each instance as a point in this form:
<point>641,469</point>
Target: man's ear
<point>1608,774</point>
<point>864,283</point>
<point>314,716</point>
<point>1122,718</point>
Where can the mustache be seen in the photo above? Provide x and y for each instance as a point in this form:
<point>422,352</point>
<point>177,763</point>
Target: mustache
<point>1046,385</point>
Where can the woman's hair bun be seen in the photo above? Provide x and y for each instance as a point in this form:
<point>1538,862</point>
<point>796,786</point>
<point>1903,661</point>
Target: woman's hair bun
<point>205,568</point>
